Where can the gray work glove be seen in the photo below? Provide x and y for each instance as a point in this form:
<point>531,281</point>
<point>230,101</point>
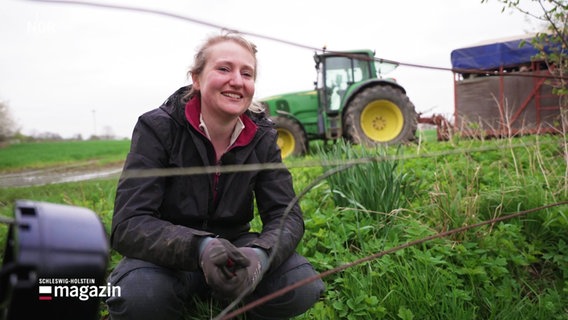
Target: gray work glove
<point>224,267</point>
<point>258,263</point>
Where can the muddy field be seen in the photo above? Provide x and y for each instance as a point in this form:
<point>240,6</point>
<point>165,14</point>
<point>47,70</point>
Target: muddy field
<point>54,175</point>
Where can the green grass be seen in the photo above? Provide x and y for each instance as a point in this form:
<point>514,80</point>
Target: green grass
<point>515,269</point>
<point>34,155</point>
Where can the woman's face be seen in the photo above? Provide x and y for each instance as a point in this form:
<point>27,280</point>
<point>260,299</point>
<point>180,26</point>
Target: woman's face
<point>227,81</point>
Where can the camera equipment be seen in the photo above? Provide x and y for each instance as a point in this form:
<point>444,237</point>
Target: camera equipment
<point>54,263</point>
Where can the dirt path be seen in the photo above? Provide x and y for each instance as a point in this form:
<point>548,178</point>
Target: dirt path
<point>37,177</point>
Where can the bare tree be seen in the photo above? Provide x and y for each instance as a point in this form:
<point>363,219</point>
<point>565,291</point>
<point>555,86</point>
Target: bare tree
<point>8,126</point>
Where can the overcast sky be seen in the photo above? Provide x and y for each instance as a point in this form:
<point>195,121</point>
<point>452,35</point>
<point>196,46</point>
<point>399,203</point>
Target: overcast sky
<point>71,69</point>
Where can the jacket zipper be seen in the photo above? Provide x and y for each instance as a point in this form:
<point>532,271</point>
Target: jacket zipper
<point>216,177</point>
<point>216,180</point>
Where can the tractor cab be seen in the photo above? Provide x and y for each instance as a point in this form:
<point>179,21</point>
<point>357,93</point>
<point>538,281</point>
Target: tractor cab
<point>339,74</point>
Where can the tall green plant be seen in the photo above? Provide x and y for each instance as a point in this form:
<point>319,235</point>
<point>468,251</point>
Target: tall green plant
<point>371,181</point>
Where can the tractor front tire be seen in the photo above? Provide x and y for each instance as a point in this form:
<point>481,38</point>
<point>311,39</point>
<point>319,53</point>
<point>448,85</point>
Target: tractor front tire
<point>292,139</point>
<point>380,115</point>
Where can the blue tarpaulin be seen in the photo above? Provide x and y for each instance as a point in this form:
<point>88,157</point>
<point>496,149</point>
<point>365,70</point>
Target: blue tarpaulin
<point>494,55</point>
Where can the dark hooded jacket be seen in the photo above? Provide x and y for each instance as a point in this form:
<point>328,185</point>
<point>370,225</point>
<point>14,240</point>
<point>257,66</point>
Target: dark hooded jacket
<point>162,218</point>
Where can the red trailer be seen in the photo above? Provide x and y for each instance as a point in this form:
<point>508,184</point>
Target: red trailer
<point>500,90</point>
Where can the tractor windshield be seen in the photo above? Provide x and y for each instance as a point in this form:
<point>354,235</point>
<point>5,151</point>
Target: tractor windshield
<point>340,73</point>
<point>384,67</point>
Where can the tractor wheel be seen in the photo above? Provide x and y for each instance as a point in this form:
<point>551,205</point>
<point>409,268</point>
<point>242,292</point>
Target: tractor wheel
<point>380,115</point>
<point>291,137</point>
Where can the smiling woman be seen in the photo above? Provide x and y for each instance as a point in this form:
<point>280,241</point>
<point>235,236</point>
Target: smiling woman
<point>224,78</point>
<point>195,230</point>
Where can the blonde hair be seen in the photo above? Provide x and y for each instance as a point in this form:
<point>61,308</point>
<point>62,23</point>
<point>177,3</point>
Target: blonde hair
<point>202,55</point>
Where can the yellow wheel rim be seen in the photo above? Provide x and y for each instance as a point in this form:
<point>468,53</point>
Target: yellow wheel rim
<point>381,120</point>
<point>286,142</point>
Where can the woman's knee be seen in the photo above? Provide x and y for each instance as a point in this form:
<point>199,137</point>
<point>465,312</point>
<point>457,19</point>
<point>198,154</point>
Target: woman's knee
<point>294,302</point>
<point>147,292</point>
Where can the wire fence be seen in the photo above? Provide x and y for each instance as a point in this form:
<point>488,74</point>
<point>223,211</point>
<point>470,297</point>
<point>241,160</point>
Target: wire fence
<point>339,165</point>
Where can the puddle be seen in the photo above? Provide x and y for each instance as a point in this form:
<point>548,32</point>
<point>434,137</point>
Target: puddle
<point>55,175</point>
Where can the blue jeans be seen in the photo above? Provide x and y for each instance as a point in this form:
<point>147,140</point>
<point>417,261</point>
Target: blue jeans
<point>152,292</point>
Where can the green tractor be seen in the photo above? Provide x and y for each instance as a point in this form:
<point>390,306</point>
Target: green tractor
<point>351,101</point>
